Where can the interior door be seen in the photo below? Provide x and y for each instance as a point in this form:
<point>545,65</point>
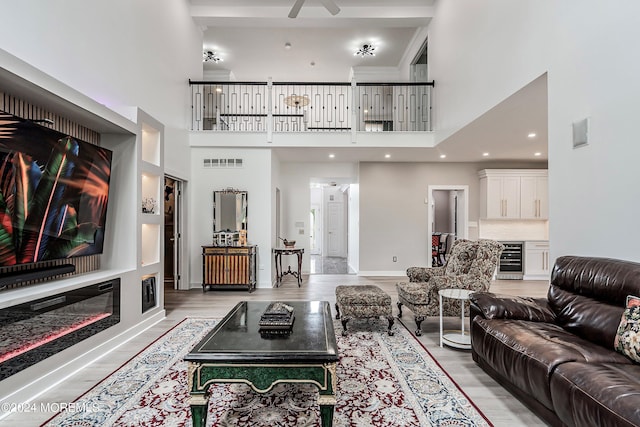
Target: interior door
<point>335,229</point>
<point>177,235</point>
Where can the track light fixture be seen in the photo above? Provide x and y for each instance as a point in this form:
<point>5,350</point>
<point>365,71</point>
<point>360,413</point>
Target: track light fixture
<point>211,56</point>
<point>365,50</point>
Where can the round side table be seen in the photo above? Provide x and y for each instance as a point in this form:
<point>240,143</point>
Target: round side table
<point>457,339</point>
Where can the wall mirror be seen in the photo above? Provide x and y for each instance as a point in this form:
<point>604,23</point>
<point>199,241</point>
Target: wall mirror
<point>229,210</point>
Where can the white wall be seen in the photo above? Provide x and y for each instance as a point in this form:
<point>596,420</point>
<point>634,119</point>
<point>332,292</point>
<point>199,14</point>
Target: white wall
<point>594,201</point>
<point>254,177</point>
<point>118,52</point>
<point>481,52</point>
<point>393,212</point>
<point>353,257</point>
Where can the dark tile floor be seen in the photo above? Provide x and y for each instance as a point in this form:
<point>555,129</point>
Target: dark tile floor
<point>329,265</point>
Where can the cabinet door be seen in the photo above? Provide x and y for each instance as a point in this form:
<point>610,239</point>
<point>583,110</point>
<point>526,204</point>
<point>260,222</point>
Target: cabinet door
<point>534,195</point>
<point>542,189</point>
<point>511,196</point>
<point>536,262</point>
<point>495,203</point>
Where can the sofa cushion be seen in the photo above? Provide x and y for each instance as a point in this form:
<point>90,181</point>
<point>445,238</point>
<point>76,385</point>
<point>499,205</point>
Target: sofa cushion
<point>593,320</point>
<point>527,353</point>
<point>597,394</point>
<point>627,339</point>
<point>588,295</point>
<point>461,258</point>
<point>415,292</point>
<point>362,295</point>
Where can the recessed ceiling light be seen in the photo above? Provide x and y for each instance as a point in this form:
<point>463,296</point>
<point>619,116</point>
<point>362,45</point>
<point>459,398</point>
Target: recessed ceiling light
<point>538,154</point>
<point>485,154</point>
<point>331,156</point>
<point>531,135</point>
<point>287,45</point>
<point>442,156</point>
<point>387,156</point>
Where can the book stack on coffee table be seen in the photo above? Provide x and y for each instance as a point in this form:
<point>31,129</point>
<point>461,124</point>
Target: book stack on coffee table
<point>277,320</point>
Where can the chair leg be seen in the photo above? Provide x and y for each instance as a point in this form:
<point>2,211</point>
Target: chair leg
<point>390,319</point>
<point>399,310</point>
<point>337,311</point>
<point>419,320</point>
<point>344,326</point>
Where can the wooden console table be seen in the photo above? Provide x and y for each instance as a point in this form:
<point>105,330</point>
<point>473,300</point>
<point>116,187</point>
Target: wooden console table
<point>229,267</point>
<point>278,252</point>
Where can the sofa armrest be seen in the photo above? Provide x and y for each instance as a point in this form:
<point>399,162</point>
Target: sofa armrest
<point>496,306</point>
<point>423,274</point>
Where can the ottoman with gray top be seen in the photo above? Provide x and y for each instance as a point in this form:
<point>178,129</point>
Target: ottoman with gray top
<point>362,301</point>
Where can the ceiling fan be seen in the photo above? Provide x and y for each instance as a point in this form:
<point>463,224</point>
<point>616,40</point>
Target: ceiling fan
<point>329,4</point>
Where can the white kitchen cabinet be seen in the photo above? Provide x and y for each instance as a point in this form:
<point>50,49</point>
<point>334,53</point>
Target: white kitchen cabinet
<point>502,196</point>
<point>513,194</point>
<point>534,194</point>
<point>536,260</point>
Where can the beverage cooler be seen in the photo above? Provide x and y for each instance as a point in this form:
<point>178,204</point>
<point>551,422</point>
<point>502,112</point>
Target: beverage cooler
<point>511,265</point>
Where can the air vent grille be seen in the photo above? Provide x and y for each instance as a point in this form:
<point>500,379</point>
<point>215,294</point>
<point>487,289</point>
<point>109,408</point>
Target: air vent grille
<point>222,163</point>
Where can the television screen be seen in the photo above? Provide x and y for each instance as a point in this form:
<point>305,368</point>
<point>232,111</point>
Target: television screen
<point>54,191</point>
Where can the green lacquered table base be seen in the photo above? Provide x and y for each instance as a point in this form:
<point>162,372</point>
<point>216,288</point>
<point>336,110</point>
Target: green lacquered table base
<point>262,378</point>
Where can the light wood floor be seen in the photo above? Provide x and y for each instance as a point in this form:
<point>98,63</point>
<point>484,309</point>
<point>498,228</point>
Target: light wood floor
<point>496,403</point>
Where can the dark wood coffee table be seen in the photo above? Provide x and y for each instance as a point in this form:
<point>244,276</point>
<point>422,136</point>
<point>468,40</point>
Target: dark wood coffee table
<point>235,352</point>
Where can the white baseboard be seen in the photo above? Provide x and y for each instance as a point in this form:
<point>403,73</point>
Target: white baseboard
<point>401,273</point>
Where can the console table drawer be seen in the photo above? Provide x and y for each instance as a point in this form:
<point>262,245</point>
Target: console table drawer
<point>214,250</point>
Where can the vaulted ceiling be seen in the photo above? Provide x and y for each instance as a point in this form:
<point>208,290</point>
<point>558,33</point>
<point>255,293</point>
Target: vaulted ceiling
<point>257,40</point>
<point>250,36</point>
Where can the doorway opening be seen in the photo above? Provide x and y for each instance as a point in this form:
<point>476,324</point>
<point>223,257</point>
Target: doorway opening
<point>419,65</point>
<point>329,221</point>
<point>447,220</point>
<point>173,232</point>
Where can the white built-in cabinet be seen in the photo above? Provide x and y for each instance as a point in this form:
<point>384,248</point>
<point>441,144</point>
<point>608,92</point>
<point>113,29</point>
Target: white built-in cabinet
<point>536,260</point>
<point>534,195</point>
<point>133,250</point>
<point>151,211</point>
<point>502,196</point>
<point>513,194</point>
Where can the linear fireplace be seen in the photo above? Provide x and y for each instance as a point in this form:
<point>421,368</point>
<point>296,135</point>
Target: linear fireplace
<point>33,331</point>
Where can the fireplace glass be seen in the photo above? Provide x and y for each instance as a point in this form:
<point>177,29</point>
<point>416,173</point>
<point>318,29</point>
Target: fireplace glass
<point>32,331</point>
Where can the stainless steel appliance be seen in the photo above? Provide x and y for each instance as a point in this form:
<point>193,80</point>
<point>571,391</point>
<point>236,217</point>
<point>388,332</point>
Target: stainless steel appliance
<point>511,265</point>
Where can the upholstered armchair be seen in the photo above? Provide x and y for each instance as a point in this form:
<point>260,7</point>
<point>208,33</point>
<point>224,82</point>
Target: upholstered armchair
<point>470,265</point>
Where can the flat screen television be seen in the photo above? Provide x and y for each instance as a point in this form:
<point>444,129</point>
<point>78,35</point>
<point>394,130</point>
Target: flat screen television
<point>54,191</point>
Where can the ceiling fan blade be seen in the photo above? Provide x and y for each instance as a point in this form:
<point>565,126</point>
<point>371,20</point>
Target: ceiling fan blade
<point>331,6</point>
<point>296,8</point>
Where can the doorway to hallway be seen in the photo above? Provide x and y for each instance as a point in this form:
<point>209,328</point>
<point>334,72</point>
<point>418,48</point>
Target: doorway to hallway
<point>329,227</point>
<point>173,232</point>
<point>447,218</point>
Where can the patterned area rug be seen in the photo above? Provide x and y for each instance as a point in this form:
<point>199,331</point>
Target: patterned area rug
<point>382,381</point>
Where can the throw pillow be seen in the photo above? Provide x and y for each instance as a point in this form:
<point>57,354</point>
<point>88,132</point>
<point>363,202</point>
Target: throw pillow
<point>627,339</point>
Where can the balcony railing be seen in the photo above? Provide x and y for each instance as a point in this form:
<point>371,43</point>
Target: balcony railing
<point>310,107</point>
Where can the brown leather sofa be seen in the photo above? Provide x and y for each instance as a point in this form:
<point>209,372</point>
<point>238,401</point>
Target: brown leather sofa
<point>556,354</point>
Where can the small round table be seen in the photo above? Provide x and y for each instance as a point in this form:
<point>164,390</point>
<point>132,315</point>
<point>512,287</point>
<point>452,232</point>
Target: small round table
<point>278,252</point>
<point>457,339</point>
